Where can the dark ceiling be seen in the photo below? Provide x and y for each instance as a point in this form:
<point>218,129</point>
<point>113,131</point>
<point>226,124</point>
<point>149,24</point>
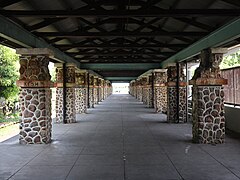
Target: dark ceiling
<point>120,31</point>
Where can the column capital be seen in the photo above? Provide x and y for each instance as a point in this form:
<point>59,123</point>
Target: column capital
<point>34,68</point>
<point>208,72</point>
<point>35,51</point>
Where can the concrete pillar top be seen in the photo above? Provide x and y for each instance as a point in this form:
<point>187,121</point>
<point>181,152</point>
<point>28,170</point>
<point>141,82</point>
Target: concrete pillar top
<point>35,51</point>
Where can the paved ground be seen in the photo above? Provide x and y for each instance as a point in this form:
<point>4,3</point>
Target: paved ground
<point>121,139</point>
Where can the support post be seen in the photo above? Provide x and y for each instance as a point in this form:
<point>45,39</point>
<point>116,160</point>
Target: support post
<point>208,98</point>
<point>160,90</point>
<point>176,87</point>
<point>81,91</point>
<point>35,96</point>
<point>65,93</point>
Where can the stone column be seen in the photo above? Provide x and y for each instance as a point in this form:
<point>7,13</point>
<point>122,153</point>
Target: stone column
<point>176,108</point>
<point>105,89</point>
<point>139,90</point>
<point>109,88</point>
<point>208,98</point>
<point>81,92</point>
<point>134,89</point>
<point>100,90</point>
<point>160,90</point>
<point>91,90</point>
<point>59,92</point>
<point>144,90</point>
<point>70,93</point>
<point>35,96</point>
<point>149,92</point>
<point>96,92</point>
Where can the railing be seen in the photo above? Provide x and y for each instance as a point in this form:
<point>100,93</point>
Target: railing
<point>232,89</point>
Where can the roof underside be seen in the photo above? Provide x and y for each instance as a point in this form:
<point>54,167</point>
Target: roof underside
<point>143,33</point>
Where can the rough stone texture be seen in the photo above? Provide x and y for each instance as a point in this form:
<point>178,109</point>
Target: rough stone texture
<point>91,95</point>
<point>59,105</point>
<point>209,65</point>
<point>160,103</point>
<point>172,105</point>
<point>95,94</point>
<point>81,100</point>
<point>81,93</point>
<point>208,99</point>
<point>35,100</point>
<point>149,97</point>
<point>208,112</point>
<point>34,68</point>
<point>70,94</point>
<point>145,95</point>
<point>70,105</point>
<point>140,92</point>
<point>35,116</point>
<point>160,91</point>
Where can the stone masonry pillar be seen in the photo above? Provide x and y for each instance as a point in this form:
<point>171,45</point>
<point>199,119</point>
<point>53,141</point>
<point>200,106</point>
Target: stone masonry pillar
<point>134,89</point>
<point>105,89</point>
<point>35,96</point>
<point>109,88</point>
<point>149,92</point>
<point>70,93</point>
<point>100,91</point>
<point>176,108</point>
<point>160,90</point>
<point>81,91</point>
<point>139,90</point>
<point>208,98</point>
<point>144,90</point>
<point>96,92</point>
<point>91,91</point>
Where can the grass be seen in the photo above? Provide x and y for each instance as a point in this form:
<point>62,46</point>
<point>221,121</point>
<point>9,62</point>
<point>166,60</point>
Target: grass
<point>9,118</point>
<point>8,132</point>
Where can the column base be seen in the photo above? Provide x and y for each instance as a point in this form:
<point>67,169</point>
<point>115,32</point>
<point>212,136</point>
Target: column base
<point>35,123</point>
<point>208,115</point>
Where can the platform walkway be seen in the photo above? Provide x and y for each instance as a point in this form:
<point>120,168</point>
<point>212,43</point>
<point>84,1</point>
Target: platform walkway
<point>120,139</point>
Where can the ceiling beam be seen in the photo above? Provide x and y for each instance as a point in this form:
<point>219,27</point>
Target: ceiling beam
<point>121,13</point>
<point>120,46</point>
<point>119,54</point>
<point>120,66</point>
<point>18,35</point>
<point>117,34</point>
<point>120,59</point>
<point>217,38</point>
<point>120,78</point>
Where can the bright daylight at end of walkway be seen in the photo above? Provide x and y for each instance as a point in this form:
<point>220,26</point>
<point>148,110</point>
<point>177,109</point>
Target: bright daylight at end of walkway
<point>120,139</point>
<point>120,88</point>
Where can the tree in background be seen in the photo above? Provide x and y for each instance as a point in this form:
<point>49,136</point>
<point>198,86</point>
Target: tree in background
<point>8,75</point>
<point>231,60</point>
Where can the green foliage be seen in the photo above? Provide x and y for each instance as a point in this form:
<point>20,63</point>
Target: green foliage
<point>231,60</point>
<point>8,73</point>
<point>10,118</point>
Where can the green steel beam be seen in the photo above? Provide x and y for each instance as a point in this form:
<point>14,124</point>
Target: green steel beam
<point>120,78</point>
<point>119,66</point>
<point>222,35</point>
<point>19,35</point>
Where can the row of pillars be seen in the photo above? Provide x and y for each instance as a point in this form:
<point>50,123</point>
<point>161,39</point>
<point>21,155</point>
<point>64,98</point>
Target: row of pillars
<point>166,91</point>
<point>76,90</point>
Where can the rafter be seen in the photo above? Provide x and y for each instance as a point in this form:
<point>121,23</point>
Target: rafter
<point>119,54</point>
<point>125,34</point>
<point>119,46</point>
<point>4,3</point>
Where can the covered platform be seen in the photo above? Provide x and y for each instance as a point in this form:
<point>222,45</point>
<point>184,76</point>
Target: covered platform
<point>148,44</point>
<point>121,139</point>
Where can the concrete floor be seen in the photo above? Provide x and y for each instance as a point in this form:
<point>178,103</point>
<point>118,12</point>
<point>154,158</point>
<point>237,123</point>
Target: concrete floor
<point>120,139</point>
